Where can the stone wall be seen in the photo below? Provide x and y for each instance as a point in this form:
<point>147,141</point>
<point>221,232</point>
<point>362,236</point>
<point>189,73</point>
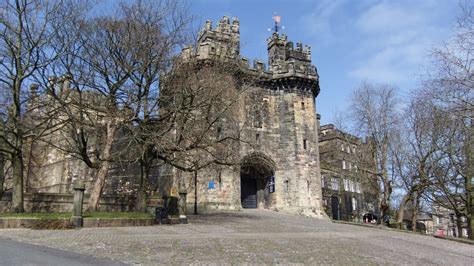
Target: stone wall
<point>62,202</point>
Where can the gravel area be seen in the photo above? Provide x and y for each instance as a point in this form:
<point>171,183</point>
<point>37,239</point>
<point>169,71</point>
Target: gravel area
<point>251,237</point>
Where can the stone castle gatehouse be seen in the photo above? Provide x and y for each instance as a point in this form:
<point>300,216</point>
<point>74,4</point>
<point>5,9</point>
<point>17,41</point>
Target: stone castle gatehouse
<point>281,170</point>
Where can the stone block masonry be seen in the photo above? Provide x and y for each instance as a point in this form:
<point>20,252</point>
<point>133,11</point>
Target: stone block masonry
<point>279,128</point>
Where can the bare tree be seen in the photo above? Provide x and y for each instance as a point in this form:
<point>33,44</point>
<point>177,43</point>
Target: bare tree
<point>2,163</point>
<point>416,153</point>
<point>451,85</point>
<point>201,101</point>
<point>116,94</point>
<point>27,28</point>
<point>447,187</point>
<point>113,67</point>
<point>159,29</point>
<point>3,108</point>
<point>374,109</point>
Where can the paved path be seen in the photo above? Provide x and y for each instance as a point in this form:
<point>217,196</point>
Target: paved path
<point>16,253</point>
<point>255,237</point>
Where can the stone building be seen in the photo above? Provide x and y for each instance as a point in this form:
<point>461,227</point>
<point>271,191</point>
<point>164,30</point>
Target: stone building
<point>349,189</point>
<point>279,170</point>
<point>444,218</point>
<point>278,166</point>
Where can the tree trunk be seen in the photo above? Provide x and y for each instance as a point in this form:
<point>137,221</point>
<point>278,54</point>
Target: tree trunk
<point>401,210</point>
<point>17,167</point>
<point>385,202</point>
<point>469,177</point>
<point>2,174</point>
<point>414,214</point>
<point>96,192</point>
<point>459,224</point>
<point>142,195</point>
<point>195,194</point>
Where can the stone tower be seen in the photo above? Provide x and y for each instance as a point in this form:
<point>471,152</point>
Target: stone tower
<point>281,170</point>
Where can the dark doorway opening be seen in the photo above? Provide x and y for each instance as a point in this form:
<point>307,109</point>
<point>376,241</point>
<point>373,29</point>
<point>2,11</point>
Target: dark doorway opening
<point>256,171</point>
<point>335,208</point>
<point>249,192</point>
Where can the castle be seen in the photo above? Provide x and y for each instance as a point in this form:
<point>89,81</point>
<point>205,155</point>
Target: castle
<point>281,170</point>
<point>278,165</point>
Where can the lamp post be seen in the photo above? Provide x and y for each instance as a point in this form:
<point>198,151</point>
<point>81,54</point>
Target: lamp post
<point>195,193</point>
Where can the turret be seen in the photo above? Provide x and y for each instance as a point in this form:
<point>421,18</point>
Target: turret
<point>286,60</point>
<point>223,41</point>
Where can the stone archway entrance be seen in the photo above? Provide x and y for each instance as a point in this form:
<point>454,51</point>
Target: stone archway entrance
<point>256,171</point>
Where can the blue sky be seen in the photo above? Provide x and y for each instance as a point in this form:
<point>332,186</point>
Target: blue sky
<point>351,41</point>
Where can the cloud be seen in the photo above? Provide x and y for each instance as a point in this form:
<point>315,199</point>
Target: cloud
<point>320,21</point>
<point>388,17</point>
<point>394,40</point>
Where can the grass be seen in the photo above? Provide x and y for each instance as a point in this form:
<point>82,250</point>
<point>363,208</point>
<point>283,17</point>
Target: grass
<point>131,215</point>
<point>37,215</point>
<point>98,214</point>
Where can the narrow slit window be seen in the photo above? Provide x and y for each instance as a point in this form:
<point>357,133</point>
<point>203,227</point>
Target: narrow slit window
<point>304,144</point>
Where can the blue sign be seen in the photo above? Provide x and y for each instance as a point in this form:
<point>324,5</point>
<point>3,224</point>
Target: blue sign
<point>211,185</point>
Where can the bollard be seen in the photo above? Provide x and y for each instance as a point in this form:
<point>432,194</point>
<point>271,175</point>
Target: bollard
<point>182,207</point>
<point>182,203</point>
<point>76,218</point>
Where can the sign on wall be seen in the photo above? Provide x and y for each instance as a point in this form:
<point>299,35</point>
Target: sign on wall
<point>271,184</point>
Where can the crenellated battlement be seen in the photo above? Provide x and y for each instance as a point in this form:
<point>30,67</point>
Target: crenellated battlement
<point>286,50</point>
<point>223,41</point>
<point>285,60</point>
<point>288,69</point>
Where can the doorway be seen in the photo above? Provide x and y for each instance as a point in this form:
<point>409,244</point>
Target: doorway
<point>335,208</point>
<point>256,171</point>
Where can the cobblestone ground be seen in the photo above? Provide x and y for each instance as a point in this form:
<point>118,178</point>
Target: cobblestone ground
<point>252,237</point>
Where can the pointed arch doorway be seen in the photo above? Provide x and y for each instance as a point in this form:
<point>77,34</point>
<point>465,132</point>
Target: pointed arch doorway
<point>257,171</point>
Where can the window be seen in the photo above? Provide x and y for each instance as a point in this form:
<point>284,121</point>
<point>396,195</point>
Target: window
<point>335,183</point>
<point>351,186</point>
<point>354,204</point>
<point>304,144</point>
<point>343,164</point>
<point>358,187</point>
<point>322,181</point>
<point>342,147</point>
<point>349,165</point>
<point>348,149</point>
<point>302,105</point>
<point>257,137</point>
<point>256,113</point>
<point>346,184</point>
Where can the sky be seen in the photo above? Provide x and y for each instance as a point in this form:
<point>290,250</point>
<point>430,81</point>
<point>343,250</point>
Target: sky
<point>352,41</point>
